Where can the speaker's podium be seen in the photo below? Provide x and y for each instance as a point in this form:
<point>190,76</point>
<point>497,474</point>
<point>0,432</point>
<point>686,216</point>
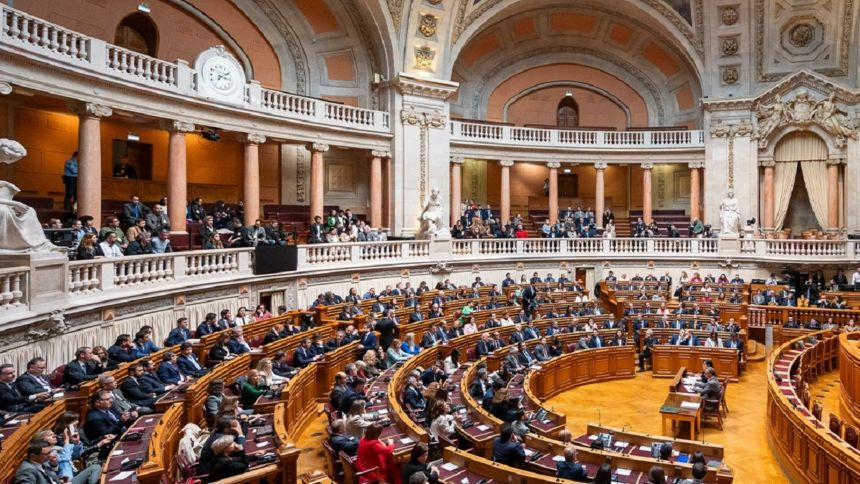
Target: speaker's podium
<point>270,259</point>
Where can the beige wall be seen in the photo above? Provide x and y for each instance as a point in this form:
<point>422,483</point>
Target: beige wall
<point>540,107</point>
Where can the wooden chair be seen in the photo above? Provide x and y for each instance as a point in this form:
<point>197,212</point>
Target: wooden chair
<point>711,409</point>
<point>350,474</point>
<point>816,410</point>
<point>335,468</point>
<point>835,425</point>
<point>723,405</point>
<point>851,436</point>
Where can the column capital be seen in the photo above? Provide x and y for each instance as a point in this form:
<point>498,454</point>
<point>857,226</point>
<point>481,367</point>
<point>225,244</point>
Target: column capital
<point>251,138</point>
<point>647,166</point>
<point>767,163</point>
<point>89,110</point>
<point>175,126</point>
<point>5,88</point>
<point>458,160</point>
<point>553,164</point>
<point>696,164</point>
<point>380,153</point>
<point>317,147</point>
<point>506,163</point>
<point>601,165</point>
<point>835,161</point>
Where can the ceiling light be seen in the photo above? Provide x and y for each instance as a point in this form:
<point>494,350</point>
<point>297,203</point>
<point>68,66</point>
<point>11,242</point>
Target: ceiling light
<point>568,93</point>
<point>133,136</point>
<point>567,170</point>
<point>144,7</point>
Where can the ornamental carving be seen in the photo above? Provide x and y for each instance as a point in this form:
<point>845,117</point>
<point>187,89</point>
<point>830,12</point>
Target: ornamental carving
<point>424,57</point>
<point>395,8</point>
<point>730,75</point>
<point>801,35</point>
<point>729,15</point>
<point>428,25</point>
<point>729,46</point>
<point>803,111</point>
<point>5,88</point>
<point>434,2</point>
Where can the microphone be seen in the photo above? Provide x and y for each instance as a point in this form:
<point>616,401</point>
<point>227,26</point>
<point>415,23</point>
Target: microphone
<point>703,430</point>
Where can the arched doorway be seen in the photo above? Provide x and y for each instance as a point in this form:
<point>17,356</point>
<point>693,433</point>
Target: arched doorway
<point>138,33</point>
<point>800,188</point>
<point>567,114</point>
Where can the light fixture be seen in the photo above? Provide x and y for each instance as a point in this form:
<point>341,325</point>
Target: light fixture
<point>143,7</point>
<point>568,93</point>
<point>567,170</point>
<point>133,136</point>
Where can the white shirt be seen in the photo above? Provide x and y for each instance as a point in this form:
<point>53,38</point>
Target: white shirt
<point>855,279</point>
<point>110,250</point>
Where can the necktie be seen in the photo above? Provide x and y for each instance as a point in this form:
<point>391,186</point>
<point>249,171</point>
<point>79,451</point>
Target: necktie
<point>110,415</point>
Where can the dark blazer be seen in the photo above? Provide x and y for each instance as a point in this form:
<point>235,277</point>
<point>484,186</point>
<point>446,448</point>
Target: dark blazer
<point>74,374</point>
<point>428,340</point>
<point>98,424</point>
<point>121,355</point>
<point>302,357</point>
<point>205,329</point>
<point>218,353</point>
<point>368,340</point>
<point>236,347</point>
<point>345,443</point>
<point>28,385</point>
<point>508,453</point>
<point>571,470</point>
<point>151,383</point>
<point>271,337</point>
<point>414,398</point>
<point>386,328</point>
<point>186,364</point>
<point>12,400</point>
<point>483,348</point>
<point>177,336</point>
<point>136,393</point>
<point>228,466</point>
<point>169,373</point>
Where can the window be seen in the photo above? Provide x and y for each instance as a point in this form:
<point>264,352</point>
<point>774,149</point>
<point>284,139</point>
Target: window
<point>568,113</point>
<point>137,32</point>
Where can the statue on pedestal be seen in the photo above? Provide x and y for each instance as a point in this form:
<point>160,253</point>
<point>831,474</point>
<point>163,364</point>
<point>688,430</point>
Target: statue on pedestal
<point>730,215</point>
<point>20,230</point>
<point>432,219</point>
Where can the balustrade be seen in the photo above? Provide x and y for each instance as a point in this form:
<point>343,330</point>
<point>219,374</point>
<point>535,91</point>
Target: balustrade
<point>84,276</point>
<point>38,35</point>
<point>13,287</point>
<point>141,67</point>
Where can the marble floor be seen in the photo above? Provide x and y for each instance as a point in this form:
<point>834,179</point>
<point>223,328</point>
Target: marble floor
<point>635,403</point>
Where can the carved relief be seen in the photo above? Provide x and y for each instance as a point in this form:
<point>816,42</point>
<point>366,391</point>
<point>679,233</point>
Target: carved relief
<point>5,88</point>
<point>340,177</point>
<point>428,25</point>
<point>730,75</point>
<point>729,15</point>
<point>424,57</point>
<point>801,34</point>
<point>395,8</point>
<point>292,41</point>
<point>434,2</point>
<point>729,46</point>
<point>301,173</point>
<point>802,111</point>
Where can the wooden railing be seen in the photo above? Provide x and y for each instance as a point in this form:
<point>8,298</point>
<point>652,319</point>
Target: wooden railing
<point>849,376</point>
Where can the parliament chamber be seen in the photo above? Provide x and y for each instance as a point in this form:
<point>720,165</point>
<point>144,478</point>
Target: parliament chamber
<point>429,241</point>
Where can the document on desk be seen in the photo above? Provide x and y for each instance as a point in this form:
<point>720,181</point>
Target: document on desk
<point>690,405</point>
<point>122,476</point>
<point>483,428</point>
<point>623,472</point>
<point>450,467</point>
<point>406,440</point>
<point>558,458</point>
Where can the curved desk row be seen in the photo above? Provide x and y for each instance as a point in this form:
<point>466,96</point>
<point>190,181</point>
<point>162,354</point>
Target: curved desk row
<point>807,450</point>
<point>849,376</point>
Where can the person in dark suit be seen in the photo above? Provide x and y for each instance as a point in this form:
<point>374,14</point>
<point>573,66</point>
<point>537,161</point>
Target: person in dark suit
<point>712,389</point>
<point>596,341</point>
<point>412,395</point>
<point>416,315</point>
<point>83,368</point>
<point>584,343</point>
<point>517,336</point>
<point>11,400</point>
<point>526,358</point>
<point>355,392</point>
<point>480,384</point>
<point>340,442</point>
<point>209,325</point>
<point>338,341</point>
<point>122,351</point>
<point>387,326</point>
<point>304,356</point>
<point>417,464</point>
<point>102,420</point>
<point>179,334</point>
<point>315,231</point>
<point>483,347</point>
<point>569,469</point>
<point>34,381</point>
<point>512,362</point>
<point>508,450</point>
<point>168,371</point>
<point>187,361</point>
<point>429,339</point>
<point>229,459</point>
<point>134,390</point>
<point>541,351</point>
<point>220,351</point>
<point>32,470</point>
<point>647,348</point>
<point>368,339</point>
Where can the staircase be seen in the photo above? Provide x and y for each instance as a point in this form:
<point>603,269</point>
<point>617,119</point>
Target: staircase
<point>663,218</point>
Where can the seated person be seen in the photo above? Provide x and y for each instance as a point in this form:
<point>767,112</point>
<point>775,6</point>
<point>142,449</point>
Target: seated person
<point>168,371</point>
<point>220,351</point>
<point>12,400</point>
<point>507,449</point>
<point>187,360</point>
<point>569,469</point>
<point>150,380</point>
<point>280,366</point>
<point>135,390</point>
<point>304,355</point>
<point>340,442</point>
<point>83,368</point>
<point>237,343</point>
<point>229,458</point>
<point>713,388</point>
<point>252,389</point>
<point>179,334</point>
<point>122,351</point>
<point>143,345</point>
<point>102,420</point>
<point>226,425</point>
<point>34,381</point>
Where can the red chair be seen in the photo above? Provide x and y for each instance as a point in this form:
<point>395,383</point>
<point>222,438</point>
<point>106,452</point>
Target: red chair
<point>816,410</point>
<point>471,354</point>
<point>835,425</point>
<point>56,377</point>
<point>851,436</point>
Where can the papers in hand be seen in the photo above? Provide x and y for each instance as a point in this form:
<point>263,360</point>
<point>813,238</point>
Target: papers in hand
<point>449,466</point>
<point>122,476</point>
<point>690,405</point>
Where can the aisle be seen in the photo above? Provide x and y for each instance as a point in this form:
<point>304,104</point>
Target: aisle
<point>635,403</point>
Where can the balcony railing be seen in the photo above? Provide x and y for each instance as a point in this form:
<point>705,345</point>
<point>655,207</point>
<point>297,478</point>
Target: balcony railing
<point>563,138</point>
<point>22,31</point>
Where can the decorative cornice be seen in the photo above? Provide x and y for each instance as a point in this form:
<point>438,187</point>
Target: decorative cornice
<point>835,161</point>
<point>380,153</point>
<point>5,88</point>
<point>458,160</point>
<point>740,104</point>
<point>395,8</point>
<point>767,163</point>
<point>553,164</point>
<point>251,138</point>
<point>432,88</point>
<point>506,163</point>
<point>694,165</point>
<point>647,166</point>
<point>177,126</point>
<point>601,165</point>
<point>90,110</point>
<point>434,119</point>
<point>317,147</point>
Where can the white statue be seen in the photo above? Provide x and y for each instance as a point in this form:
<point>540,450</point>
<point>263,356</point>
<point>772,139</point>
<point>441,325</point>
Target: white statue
<point>769,118</point>
<point>730,215</point>
<point>432,219</point>
<point>833,119</point>
<point>20,230</point>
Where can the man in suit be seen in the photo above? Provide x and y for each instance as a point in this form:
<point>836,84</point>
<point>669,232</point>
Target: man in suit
<point>584,343</point>
<point>569,469</point>
<point>84,367</point>
<point>133,389</point>
<point>12,400</point>
<point>526,358</point>
<point>647,348</point>
<point>483,347</point>
<point>530,332</point>
<point>122,351</point>
<point>596,340</point>
<point>440,334</point>
<point>303,355</point>
<point>102,420</point>
<point>387,326</point>
<point>512,362</point>
<point>428,340</point>
<point>541,353</point>
<point>32,470</point>
<point>508,281</point>
<point>712,388</point>
<point>280,366</point>
<point>368,339</point>
<point>517,336</point>
<point>480,385</point>
<point>187,362</point>
<point>340,442</point>
<point>179,334</point>
<point>416,315</point>
<point>412,395</point>
<point>610,324</point>
<point>120,403</point>
<point>435,311</point>
<point>34,381</point>
<point>507,449</point>
<point>134,210</point>
<point>168,370</point>
<point>208,326</point>
<point>315,231</point>
<point>338,341</point>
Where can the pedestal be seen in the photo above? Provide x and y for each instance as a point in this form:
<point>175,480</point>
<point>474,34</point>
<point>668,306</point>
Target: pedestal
<point>730,244</point>
<point>47,280</point>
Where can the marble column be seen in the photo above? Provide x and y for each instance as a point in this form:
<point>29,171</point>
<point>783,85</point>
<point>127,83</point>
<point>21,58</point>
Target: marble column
<point>456,187</point>
<point>506,190</point>
<point>90,158</point>
<point>251,179</point>
<point>317,175</point>
<point>696,189</point>
<point>599,191</point>
<point>646,191</point>
<point>553,190</point>
<point>388,190</point>
<point>833,195</point>
<point>177,173</point>
<point>768,215</point>
<point>376,187</point>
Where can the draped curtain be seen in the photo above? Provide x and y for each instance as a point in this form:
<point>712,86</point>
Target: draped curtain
<point>783,183</point>
<point>815,176</point>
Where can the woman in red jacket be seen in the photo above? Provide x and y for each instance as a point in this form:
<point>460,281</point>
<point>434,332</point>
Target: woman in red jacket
<point>373,453</point>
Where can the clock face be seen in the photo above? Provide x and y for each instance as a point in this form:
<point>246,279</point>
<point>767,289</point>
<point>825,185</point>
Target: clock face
<point>219,76</point>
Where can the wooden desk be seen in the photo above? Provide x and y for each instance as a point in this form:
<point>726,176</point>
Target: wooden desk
<point>712,452</point>
<point>693,416</point>
<point>668,359</point>
<point>18,432</point>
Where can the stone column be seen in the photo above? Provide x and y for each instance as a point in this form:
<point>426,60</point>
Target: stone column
<point>90,158</point>
<point>553,190</point>
<point>768,215</point>
<point>599,192</point>
<point>376,187</point>
<point>506,190</point>
<point>696,189</point>
<point>646,191</point>
<point>833,195</point>
<point>177,173</point>
<point>456,187</point>
<point>388,190</point>
<point>251,179</point>
<point>317,174</point>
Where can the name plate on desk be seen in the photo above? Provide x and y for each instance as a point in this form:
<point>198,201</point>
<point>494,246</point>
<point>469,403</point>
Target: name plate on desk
<point>690,405</point>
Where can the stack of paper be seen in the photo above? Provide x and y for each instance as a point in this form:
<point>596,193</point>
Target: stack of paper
<point>690,405</point>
